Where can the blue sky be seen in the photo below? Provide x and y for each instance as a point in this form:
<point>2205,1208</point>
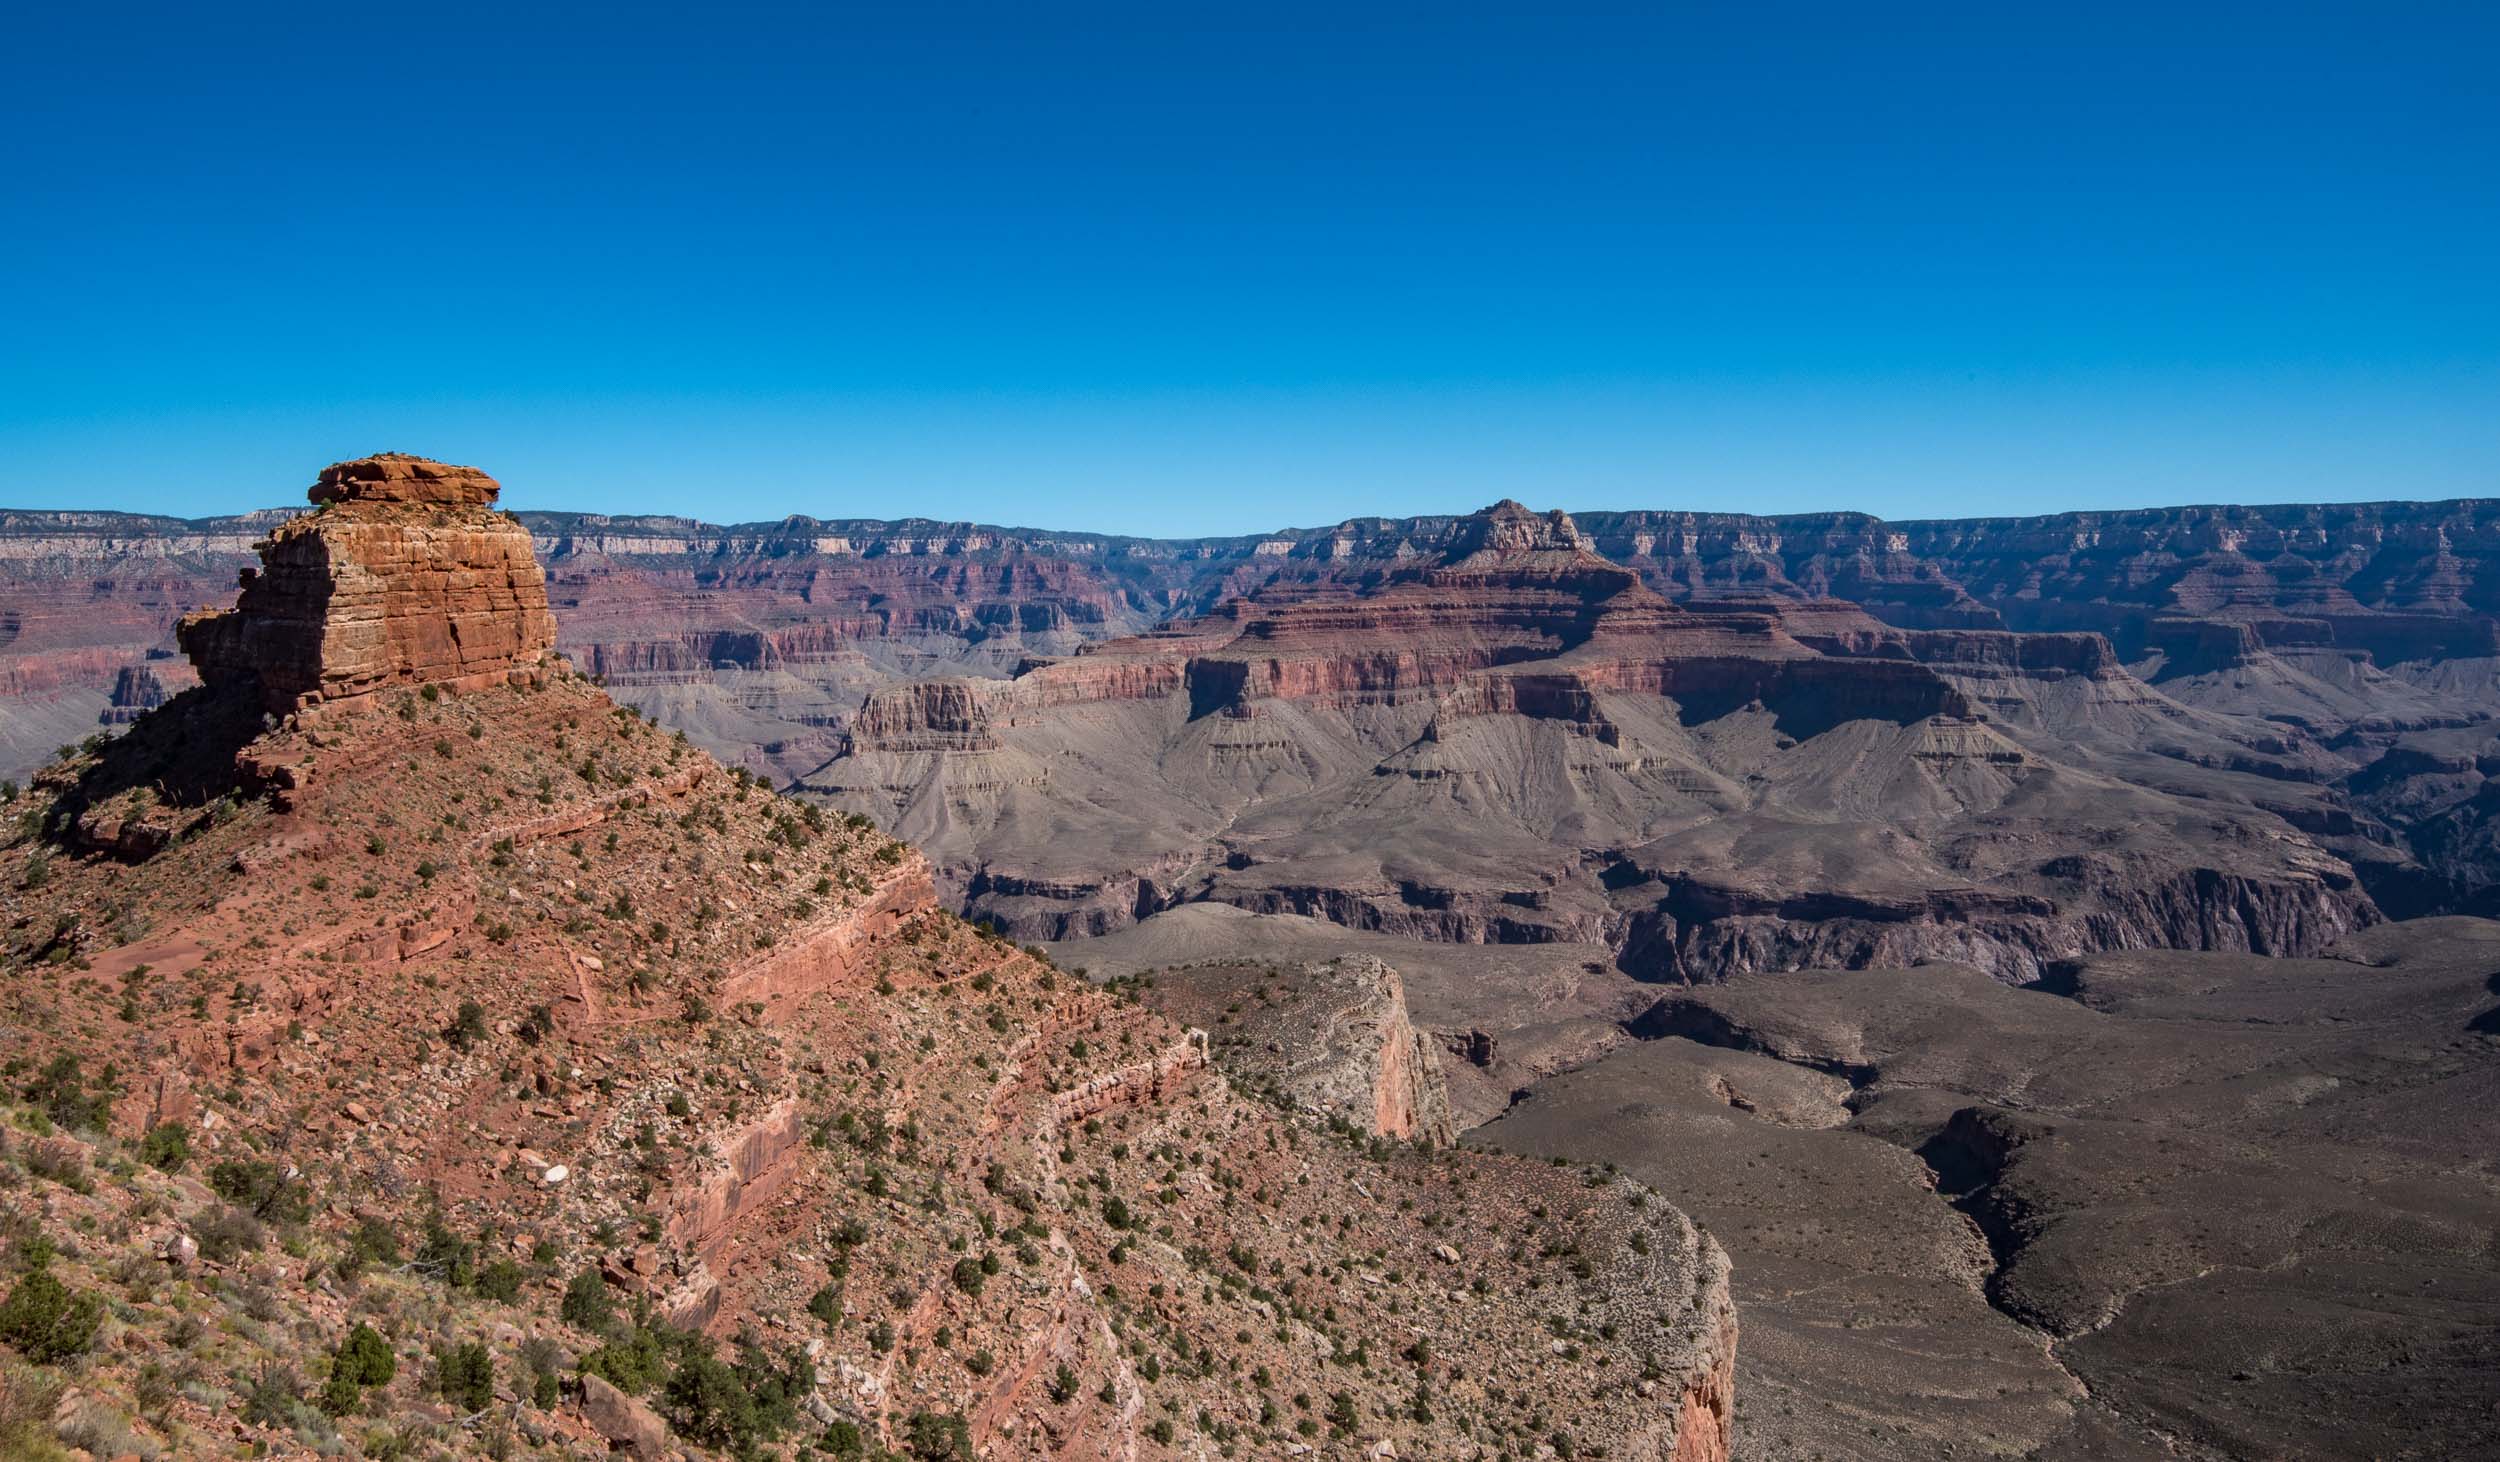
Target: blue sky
<point>1184,268</point>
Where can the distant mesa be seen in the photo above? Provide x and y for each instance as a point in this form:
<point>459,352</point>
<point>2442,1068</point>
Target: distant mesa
<point>405,576</point>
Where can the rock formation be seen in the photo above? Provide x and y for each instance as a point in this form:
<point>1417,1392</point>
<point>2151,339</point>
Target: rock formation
<point>137,690</point>
<point>405,575</point>
<point>2292,659</point>
<point>1332,1037</point>
<point>2287,650</point>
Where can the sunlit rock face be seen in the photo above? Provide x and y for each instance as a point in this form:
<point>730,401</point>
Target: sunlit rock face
<point>404,575</point>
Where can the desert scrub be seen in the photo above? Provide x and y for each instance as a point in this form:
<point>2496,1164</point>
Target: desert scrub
<point>46,1321</point>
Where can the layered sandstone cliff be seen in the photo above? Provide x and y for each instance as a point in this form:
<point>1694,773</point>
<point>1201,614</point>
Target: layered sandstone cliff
<point>403,575</point>
<point>2296,645</point>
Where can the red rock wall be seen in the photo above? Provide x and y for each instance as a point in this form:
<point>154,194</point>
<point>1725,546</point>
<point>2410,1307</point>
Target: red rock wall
<point>369,595</point>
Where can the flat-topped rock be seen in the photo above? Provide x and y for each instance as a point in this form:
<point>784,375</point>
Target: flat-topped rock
<point>396,477</point>
<point>364,594</point>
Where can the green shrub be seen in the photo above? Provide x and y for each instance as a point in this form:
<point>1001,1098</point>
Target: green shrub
<point>706,1402</point>
<point>468,1026</point>
<point>365,1358</point>
<point>826,1305</point>
<point>60,1091</point>
<point>274,1397</point>
<point>465,1375</point>
<point>587,1304</point>
<point>374,1241</point>
<point>938,1436</point>
<point>262,1189</point>
<point>633,1364</point>
<point>166,1147</point>
<point>445,1255</point>
<point>498,1280</point>
<point>227,1235</point>
<point>46,1321</point>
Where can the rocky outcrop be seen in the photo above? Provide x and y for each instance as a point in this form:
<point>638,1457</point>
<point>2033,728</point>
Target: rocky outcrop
<point>405,575</point>
<point>924,715</point>
<point>137,690</point>
<point>629,1427</point>
<point>1332,1037</point>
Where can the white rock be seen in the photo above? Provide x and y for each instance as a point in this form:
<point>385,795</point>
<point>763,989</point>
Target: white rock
<point>556,1174</point>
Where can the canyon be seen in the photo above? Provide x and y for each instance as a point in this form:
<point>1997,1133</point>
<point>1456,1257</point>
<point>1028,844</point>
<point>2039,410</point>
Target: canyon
<point>520,1078</point>
<point>1983,929</point>
<point>2331,666</point>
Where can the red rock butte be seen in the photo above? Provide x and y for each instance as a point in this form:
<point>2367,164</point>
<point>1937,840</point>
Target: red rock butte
<point>404,574</point>
<point>396,477</point>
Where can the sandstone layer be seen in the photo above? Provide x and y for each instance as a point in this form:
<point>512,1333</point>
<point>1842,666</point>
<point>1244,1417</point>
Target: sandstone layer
<point>404,576</point>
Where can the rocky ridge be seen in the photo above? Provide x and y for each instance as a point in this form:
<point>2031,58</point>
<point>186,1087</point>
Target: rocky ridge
<point>1332,1037</point>
<point>627,1104</point>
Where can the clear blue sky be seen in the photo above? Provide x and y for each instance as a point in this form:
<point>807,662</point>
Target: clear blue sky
<point>1199,268</point>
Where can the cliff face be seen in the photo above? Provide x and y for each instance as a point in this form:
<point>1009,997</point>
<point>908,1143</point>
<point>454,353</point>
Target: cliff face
<point>404,576</point>
<point>2298,645</point>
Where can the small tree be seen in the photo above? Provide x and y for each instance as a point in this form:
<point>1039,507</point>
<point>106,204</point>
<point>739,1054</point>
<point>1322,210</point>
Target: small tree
<point>61,1091</point>
<point>262,1189</point>
<point>498,1280</point>
<point>166,1147</point>
<point>1341,1412</point>
<point>587,1303</point>
<point>465,1375</point>
<point>826,1305</point>
<point>707,1402</point>
<point>364,1359</point>
<point>938,1436</point>
<point>46,1322</point>
<point>468,1027</point>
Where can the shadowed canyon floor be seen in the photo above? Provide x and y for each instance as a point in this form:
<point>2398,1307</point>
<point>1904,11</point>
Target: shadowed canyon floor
<point>2167,1205</point>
